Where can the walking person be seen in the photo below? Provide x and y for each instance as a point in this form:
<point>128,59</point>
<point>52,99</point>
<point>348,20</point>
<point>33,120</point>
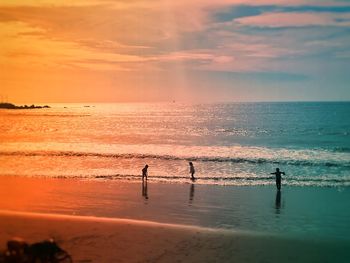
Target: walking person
<point>192,171</point>
<point>144,172</point>
<point>278,174</point>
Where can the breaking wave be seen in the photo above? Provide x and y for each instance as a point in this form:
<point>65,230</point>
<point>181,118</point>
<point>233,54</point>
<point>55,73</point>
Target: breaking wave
<point>303,161</point>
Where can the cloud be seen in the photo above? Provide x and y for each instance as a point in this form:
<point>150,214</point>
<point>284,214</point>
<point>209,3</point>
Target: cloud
<point>106,37</point>
<point>175,38</point>
<point>295,19</point>
<point>227,14</point>
<point>26,46</point>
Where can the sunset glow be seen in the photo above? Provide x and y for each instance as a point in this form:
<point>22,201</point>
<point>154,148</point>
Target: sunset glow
<point>125,51</point>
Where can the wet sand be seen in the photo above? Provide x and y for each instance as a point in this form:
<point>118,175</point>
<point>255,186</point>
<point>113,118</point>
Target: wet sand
<point>92,239</point>
<point>116,221</point>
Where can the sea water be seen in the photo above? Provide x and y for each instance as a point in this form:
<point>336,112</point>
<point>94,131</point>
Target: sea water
<point>90,148</point>
<point>229,143</point>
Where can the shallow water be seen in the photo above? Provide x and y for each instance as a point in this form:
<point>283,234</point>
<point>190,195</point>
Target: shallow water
<point>230,144</point>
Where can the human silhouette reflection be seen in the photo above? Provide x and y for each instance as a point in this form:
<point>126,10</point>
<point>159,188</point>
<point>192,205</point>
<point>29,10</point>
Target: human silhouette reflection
<point>278,202</point>
<point>144,189</point>
<point>191,193</point>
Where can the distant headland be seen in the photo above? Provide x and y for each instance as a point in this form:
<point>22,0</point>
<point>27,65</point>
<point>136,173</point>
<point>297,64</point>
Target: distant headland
<point>6,105</point>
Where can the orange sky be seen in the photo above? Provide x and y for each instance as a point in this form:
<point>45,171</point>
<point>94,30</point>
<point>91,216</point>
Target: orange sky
<point>111,51</point>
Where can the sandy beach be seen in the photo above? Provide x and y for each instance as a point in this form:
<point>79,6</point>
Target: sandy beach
<point>117,221</point>
<point>92,239</point>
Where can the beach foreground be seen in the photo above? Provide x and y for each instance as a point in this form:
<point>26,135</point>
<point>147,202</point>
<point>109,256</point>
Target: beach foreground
<point>93,239</point>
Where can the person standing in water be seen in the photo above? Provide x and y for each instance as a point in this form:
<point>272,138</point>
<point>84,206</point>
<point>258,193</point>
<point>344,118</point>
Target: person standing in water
<point>278,174</point>
<point>144,172</point>
<point>192,171</point>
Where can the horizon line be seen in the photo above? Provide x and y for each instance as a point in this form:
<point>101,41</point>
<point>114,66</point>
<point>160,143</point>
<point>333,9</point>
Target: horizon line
<point>177,101</point>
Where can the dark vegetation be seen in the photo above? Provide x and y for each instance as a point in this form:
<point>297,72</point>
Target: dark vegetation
<point>6,105</point>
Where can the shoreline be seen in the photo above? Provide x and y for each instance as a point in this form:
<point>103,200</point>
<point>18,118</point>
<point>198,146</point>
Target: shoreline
<point>137,179</point>
<point>115,221</point>
<point>293,212</point>
<point>118,240</point>
<point>33,215</point>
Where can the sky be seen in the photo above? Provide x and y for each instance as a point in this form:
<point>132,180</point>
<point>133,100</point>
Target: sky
<point>183,50</point>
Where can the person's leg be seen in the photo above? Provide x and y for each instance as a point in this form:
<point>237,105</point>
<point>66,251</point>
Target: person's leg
<point>278,184</point>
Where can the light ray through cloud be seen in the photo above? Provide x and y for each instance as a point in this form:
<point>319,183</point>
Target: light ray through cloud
<point>166,50</point>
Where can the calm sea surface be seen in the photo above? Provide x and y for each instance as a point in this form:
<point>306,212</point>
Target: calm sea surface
<point>229,144</point>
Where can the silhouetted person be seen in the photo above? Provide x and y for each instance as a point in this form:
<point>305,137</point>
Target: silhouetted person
<point>278,174</point>
<point>191,193</point>
<point>144,189</point>
<point>192,171</point>
<point>145,172</point>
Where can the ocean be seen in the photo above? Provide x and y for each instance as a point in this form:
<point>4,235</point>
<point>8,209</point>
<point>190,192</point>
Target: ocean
<point>229,143</point>
<point>86,159</point>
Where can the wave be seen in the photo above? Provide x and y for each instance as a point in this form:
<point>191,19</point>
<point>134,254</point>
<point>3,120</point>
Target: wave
<point>310,161</point>
<point>341,149</point>
<point>322,181</point>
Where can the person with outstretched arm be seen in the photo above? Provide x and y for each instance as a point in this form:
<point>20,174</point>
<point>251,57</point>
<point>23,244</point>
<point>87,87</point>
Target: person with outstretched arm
<point>278,174</point>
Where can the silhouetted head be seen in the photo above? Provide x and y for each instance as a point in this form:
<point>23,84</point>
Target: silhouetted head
<point>190,163</point>
<point>146,165</point>
<point>277,169</point>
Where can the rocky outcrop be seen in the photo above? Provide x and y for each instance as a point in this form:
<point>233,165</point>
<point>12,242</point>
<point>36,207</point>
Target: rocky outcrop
<point>14,107</point>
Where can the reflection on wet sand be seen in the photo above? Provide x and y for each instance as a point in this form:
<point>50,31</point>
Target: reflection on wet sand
<point>144,189</point>
<point>191,193</point>
<point>278,202</point>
